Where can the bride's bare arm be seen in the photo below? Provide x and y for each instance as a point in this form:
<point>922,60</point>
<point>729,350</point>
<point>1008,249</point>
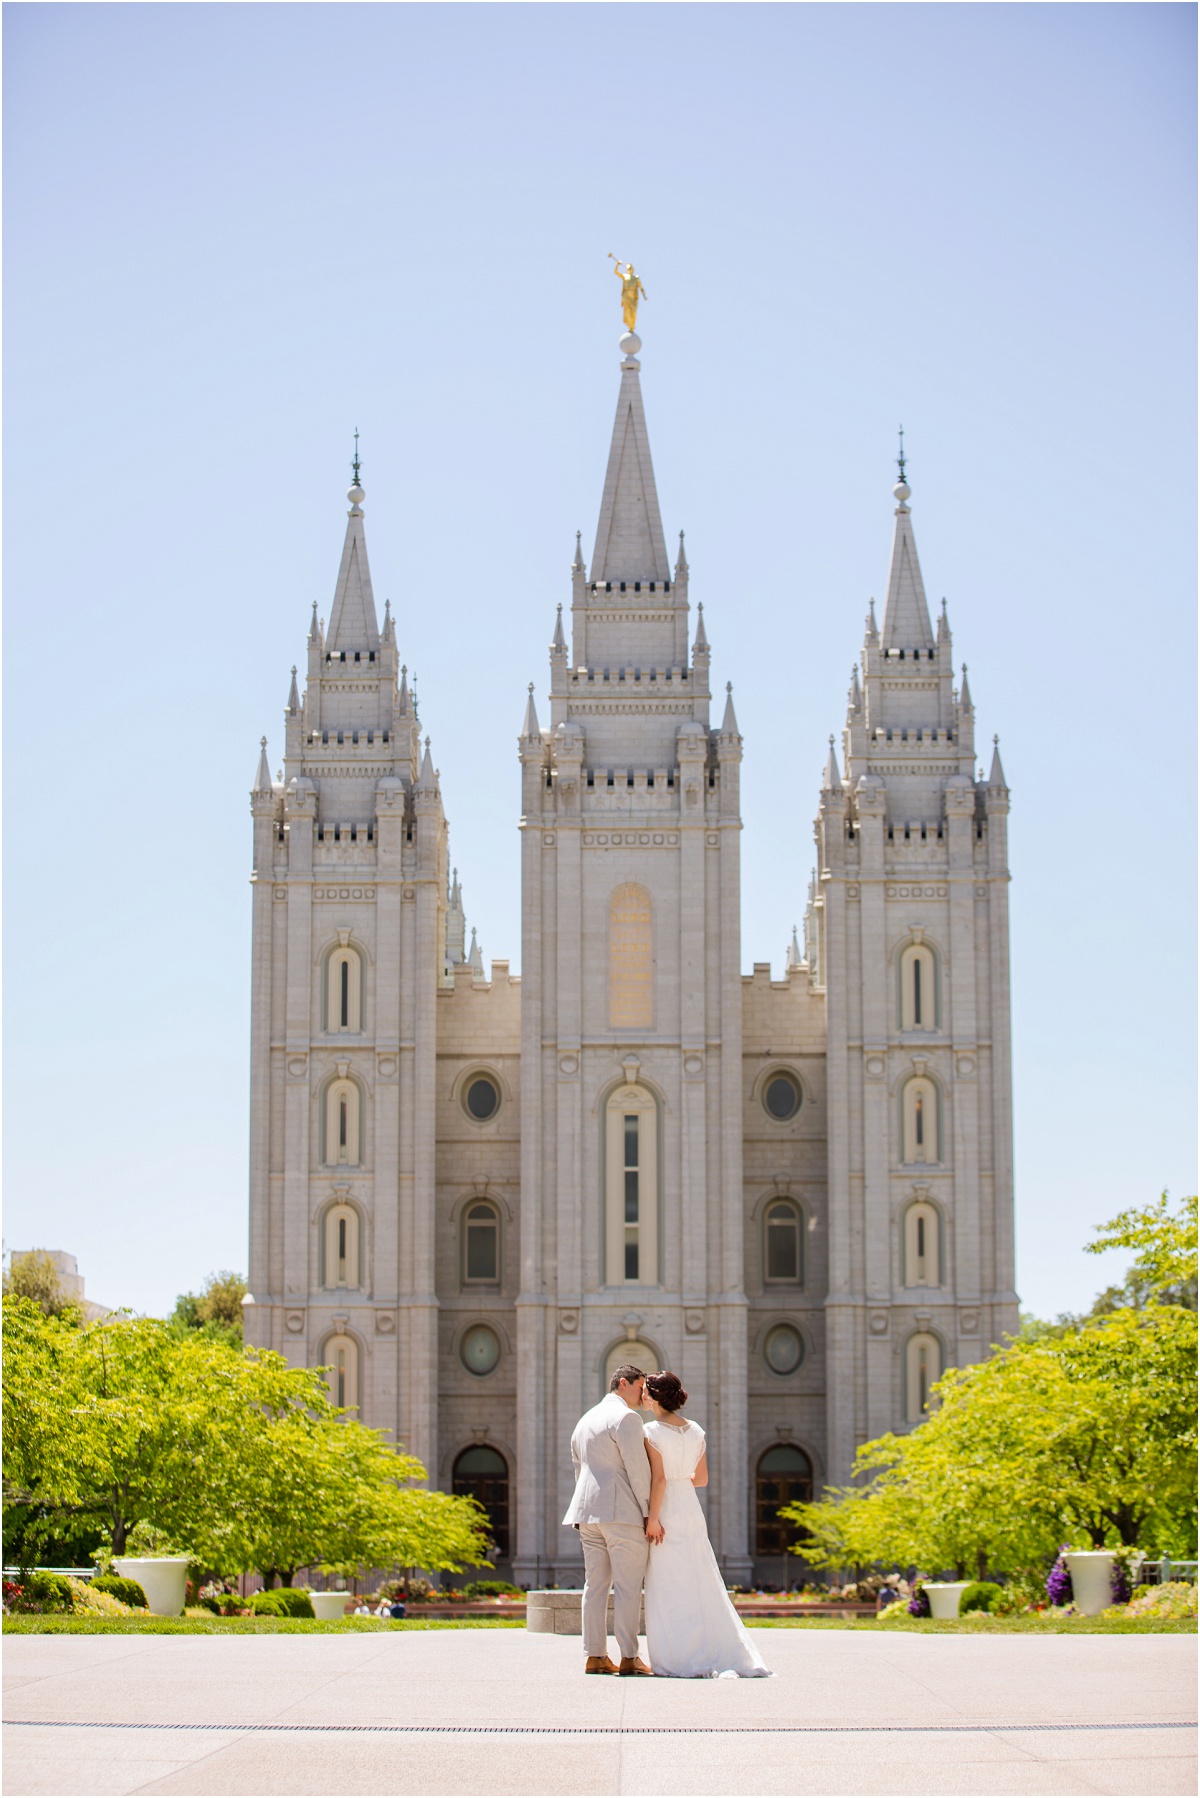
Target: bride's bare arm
<point>700,1477</point>
<point>658,1486</point>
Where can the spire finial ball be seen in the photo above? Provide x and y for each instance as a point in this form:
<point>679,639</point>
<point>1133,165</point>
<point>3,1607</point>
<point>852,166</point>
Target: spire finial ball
<point>902,491</point>
<point>629,344</point>
<point>356,495</point>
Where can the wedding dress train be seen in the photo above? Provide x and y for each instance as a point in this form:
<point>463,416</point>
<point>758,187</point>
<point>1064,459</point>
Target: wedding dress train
<point>692,1629</point>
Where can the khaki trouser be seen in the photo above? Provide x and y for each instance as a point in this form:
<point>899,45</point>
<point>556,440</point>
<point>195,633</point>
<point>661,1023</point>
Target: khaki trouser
<point>614,1555</point>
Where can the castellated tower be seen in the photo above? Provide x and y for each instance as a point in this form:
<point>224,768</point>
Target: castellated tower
<point>631,1127</point>
<point>349,954</point>
<point>908,924</point>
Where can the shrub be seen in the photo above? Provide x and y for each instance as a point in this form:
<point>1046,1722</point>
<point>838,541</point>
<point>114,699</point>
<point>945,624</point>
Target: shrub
<point>491,1588</point>
<point>1059,1589</point>
<point>285,1601</point>
<point>99,1604</point>
<point>40,1593</point>
<point>1176,1599</point>
<point>980,1596</point>
<point>127,1591</point>
<point>918,1604</point>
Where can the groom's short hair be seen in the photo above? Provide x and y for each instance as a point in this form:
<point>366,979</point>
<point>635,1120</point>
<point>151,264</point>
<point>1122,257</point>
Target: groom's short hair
<point>629,1373</point>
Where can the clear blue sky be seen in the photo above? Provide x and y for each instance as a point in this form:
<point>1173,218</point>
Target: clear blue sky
<point>233,233</point>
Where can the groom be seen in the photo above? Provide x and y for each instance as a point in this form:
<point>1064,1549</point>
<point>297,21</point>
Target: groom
<point>609,1508</point>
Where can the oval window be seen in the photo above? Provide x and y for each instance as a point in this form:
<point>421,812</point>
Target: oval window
<point>482,1098</point>
<point>479,1349</point>
<point>783,1350</point>
<point>782,1097</point>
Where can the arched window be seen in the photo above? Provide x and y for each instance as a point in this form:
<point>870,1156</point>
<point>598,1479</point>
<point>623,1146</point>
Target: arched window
<point>340,1356</point>
<point>481,1245</point>
<point>343,1124</point>
<point>922,1245</point>
<point>632,1354</point>
<point>343,1266</point>
<point>630,959</point>
<point>343,990</point>
<point>918,988</point>
<point>482,1473</point>
<point>922,1123</point>
<point>784,1478</point>
<point>922,1367</point>
<point>631,1198</point>
<point>783,1244</point>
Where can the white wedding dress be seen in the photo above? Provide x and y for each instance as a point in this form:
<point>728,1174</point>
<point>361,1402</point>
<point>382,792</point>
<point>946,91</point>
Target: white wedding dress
<point>692,1629</point>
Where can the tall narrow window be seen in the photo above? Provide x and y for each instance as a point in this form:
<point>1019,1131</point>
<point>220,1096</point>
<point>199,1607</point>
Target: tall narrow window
<point>919,1105</point>
<point>481,1245</point>
<point>922,1247</point>
<point>631,1196</point>
<point>918,988</point>
<point>631,1188</point>
<point>630,959</point>
<point>342,1266</point>
<point>923,1368</point>
<point>781,1260</point>
<point>343,1124</point>
<point>340,1357</point>
<point>343,990</point>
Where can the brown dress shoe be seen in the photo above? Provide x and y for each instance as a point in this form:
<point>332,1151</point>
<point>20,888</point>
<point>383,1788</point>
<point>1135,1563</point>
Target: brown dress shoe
<point>600,1663</point>
<point>634,1665</point>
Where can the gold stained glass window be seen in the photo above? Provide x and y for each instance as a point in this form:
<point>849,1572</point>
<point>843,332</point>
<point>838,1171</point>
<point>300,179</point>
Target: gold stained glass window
<point>630,959</point>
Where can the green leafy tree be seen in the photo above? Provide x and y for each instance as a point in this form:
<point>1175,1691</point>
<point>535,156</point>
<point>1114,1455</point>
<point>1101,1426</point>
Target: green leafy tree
<point>216,1311</point>
<point>1164,1244</point>
<point>34,1276</point>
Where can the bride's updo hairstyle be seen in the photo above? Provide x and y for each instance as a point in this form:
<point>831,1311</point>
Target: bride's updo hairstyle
<point>666,1389</point>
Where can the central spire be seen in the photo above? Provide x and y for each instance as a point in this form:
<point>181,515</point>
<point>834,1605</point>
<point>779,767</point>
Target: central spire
<point>354,623</point>
<point>905,615</point>
<point>629,537</point>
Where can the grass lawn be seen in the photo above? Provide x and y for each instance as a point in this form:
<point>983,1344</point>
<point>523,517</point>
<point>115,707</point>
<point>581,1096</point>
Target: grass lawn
<point>299,1626</point>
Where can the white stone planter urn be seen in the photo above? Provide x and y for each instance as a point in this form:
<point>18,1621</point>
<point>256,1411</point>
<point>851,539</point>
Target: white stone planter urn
<point>162,1578</point>
<point>329,1605</point>
<point>944,1597</point>
<point>1091,1579</point>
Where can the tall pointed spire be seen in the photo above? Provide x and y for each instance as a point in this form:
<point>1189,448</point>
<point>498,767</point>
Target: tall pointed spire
<point>681,561</point>
<point>293,704</point>
<point>729,723</point>
<point>629,537</point>
<point>577,565</point>
<point>353,624</point>
<point>794,957</point>
<point>427,779</point>
<point>402,703</point>
<point>262,780</point>
<point>964,693</point>
<point>855,690</point>
<point>701,641</point>
<point>531,729</point>
<point>475,958</point>
<point>871,629</point>
<point>832,781</point>
<point>905,614</point>
<point>996,777</point>
<point>559,640</point>
<point>314,629</point>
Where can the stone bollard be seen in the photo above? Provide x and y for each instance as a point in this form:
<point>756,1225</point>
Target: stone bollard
<point>560,1613</point>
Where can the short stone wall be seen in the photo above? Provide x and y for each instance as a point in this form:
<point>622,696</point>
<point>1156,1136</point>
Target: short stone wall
<point>560,1613</point>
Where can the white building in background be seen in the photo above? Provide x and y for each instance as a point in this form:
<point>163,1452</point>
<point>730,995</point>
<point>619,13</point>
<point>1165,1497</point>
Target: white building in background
<point>472,1196</point>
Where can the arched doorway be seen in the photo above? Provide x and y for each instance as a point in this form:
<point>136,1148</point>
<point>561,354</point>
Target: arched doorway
<point>784,1478</point>
<point>482,1473</point>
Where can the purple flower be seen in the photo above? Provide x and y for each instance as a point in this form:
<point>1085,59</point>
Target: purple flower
<point>918,1604</point>
<point>1059,1589</point>
<point>1119,1583</point>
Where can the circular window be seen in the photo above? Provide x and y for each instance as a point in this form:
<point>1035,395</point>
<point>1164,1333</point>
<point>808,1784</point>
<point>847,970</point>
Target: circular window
<point>782,1096</point>
<point>479,1349</point>
<point>481,1098</point>
<point>783,1350</point>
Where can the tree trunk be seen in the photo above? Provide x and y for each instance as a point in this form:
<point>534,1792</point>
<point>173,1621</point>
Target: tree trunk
<point>981,1564</point>
<point>287,1575</point>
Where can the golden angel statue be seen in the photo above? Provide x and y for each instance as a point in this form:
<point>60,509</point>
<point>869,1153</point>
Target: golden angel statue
<point>631,290</point>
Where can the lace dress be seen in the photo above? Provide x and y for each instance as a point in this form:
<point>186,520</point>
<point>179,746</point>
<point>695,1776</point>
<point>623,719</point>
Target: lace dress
<point>692,1629</point>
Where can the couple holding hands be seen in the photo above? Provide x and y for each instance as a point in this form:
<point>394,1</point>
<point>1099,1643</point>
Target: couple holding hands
<point>639,1520</point>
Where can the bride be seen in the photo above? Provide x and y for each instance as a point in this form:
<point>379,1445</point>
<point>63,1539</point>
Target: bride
<point>692,1629</point>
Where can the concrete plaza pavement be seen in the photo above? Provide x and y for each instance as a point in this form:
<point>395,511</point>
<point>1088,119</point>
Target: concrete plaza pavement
<point>503,1711</point>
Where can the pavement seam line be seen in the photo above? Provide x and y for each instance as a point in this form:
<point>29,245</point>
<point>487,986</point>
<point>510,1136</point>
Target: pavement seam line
<point>601,1729</point>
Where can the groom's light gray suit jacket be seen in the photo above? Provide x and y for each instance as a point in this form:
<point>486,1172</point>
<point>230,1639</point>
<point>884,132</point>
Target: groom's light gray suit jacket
<point>612,1469</point>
